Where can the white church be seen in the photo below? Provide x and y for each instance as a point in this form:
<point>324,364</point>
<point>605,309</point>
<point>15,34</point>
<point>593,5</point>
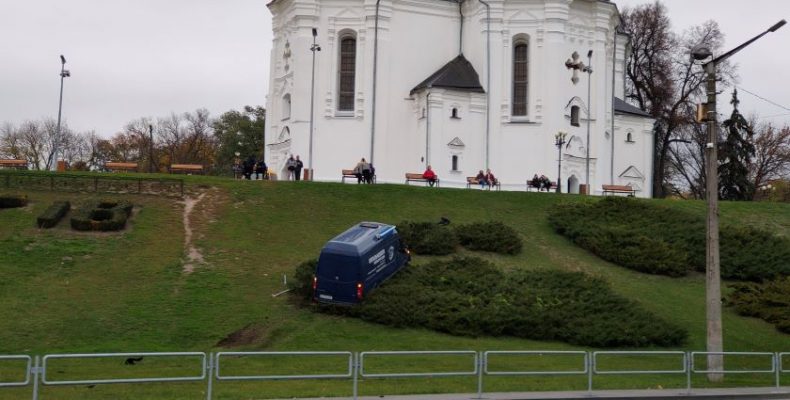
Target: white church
<point>461,85</point>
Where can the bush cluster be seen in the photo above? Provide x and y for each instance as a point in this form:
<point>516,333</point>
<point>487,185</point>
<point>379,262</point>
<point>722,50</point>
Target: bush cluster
<point>302,283</point>
<point>52,215</point>
<point>11,201</point>
<point>471,297</point>
<point>769,301</point>
<point>659,240</point>
<point>102,216</point>
<point>427,238</point>
<point>495,237</point>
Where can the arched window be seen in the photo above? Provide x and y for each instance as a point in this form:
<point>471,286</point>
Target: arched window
<point>454,113</point>
<point>287,106</point>
<point>347,72</point>
<point>520,76</point>
<point>575,115</point>
<point>455,163</point>
<point>629,137</point>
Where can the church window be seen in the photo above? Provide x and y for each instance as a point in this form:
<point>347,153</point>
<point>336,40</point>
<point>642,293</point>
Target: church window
<point>455,163</point>
<point>575,115</point>
<point>629,138</point>
<point>347,72</point>
<point>520,77</point>
<point>287,106</point>
<point>454,114</point>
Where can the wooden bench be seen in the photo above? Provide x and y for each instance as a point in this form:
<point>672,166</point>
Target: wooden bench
<point>410,177</point>
<point>16,164</point>
<point>186,169</point>
<point>552,187</point>
<point>349,173</point>
<point>621,189</point>
<point>121,166</point>
<point>472,180</point>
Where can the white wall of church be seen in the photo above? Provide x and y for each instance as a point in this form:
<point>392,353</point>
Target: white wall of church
<point>415,39</point>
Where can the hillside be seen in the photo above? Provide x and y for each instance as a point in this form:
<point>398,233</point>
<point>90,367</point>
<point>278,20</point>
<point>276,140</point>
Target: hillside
<point>143,290</point>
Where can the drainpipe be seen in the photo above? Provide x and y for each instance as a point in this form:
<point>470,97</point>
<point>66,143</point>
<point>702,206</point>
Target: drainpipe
<point>461,34</point>
<point>614,72</point>
<point>375,74</point>
<point>488,78</point>
<point>428,127</point>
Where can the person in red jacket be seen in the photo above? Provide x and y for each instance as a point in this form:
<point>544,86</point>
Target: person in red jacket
<point>430,176</point>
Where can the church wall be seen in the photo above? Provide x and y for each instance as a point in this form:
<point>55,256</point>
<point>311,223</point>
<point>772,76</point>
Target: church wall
<point>636,153</point>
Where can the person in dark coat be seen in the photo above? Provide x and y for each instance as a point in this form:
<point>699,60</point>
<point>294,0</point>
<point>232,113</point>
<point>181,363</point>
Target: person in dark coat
<point>249,166</point>
<point>260,170</point>
<point>298,169</point>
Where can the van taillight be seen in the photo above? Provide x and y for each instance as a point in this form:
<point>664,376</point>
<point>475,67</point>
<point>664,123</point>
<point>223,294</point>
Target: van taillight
<point>359,291</point>
<point>315,282</point>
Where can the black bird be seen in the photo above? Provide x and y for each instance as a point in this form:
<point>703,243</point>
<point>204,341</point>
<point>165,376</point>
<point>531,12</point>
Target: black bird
<point>133,360</point>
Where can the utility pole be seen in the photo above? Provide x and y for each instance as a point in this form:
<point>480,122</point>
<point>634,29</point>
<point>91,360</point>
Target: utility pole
<point>315,47</point>
<point>64,73</point>
<point>150,148</point>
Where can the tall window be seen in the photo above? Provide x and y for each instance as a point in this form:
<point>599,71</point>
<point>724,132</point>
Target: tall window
<point>575,115</point>
<point>520,73</point>
<point>455,163</point>
<point>348,61</point>
<point>287,106</point>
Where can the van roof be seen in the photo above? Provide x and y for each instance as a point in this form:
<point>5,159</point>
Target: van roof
<point>358,239</point>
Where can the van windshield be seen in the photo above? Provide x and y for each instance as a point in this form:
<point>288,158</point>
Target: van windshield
<point>345,268</point>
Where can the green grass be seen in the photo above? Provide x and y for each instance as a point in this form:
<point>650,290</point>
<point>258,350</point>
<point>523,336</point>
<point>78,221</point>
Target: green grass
<point>64,292</point>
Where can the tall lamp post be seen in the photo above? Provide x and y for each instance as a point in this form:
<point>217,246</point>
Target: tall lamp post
<point>315,47</point>
<point>702,54</point>
<point>64,73</point>
<point>559,140</point>
<point>589,71</point>
<point>150,148</point>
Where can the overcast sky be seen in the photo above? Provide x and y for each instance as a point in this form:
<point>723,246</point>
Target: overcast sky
<point>148,58</point>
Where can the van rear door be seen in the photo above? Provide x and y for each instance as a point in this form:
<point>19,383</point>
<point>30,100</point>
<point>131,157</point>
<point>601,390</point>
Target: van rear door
<point>337,277</point>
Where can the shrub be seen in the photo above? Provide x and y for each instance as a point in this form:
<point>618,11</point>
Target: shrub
<point>659,240</point>
<point>428,238</point>
<point>769,301</point>
<point>495,237</point>
<point>13,201</point>
<point>102,216</point>
<point>52,215</point>
<point>471,297</point>
<point>302,283</point>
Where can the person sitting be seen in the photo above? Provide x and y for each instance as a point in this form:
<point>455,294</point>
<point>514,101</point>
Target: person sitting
<point>535,182</point>
<point>490,178</point>
<point>260,170</point>
<point>481,179</point>
<point>545,183</point>
<point>430,176</point>
<point>359,170</point>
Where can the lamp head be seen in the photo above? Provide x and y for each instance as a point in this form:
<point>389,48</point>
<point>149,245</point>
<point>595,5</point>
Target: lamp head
<point>62,59</point>
<point>701,52</point>
<point>315,32</point>
<point>589,53</point>
<point>777,26</point>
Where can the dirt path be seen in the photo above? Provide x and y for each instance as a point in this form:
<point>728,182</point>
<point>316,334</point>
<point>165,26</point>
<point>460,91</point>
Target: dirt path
<point>194,256</point>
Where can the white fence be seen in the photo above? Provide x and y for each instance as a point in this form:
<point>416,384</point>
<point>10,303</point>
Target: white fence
<point>208,367</point>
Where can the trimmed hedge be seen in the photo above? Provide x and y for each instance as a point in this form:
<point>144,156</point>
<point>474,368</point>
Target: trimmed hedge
<point>495,237</point>
<point>102,216</point>
<point>427,238</point>
<point>52,215</point>
<point>769,301</point>
<point>302,283</point>
<point>660,240</point>
<point>11,201</point>
<point>471,297</point>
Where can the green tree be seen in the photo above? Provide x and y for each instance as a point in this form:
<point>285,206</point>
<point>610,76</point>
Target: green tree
<point>240,134</point>
<point>735,155</point>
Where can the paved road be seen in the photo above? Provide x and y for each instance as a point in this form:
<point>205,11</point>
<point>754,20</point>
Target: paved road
<point>669,394</point>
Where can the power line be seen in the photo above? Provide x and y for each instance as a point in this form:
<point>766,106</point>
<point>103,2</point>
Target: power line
<point>764,99</point>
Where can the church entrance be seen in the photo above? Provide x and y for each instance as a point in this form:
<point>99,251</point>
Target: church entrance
<point>573,185</point>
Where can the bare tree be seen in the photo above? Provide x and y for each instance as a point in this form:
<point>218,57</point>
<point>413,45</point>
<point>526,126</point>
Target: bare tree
<point>772,156</point>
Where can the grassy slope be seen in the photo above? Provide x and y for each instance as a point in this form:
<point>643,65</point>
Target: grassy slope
<point>73,293</point>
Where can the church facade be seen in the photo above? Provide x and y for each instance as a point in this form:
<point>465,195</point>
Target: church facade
<point>461,85</point>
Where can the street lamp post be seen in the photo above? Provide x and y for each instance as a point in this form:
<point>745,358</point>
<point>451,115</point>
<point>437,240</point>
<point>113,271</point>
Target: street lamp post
<point>315,47</point>
<point>64,73</point>
<point>712,262</point>
<point>559,140</point>
<point>150,148</point>
<point>588,70</point>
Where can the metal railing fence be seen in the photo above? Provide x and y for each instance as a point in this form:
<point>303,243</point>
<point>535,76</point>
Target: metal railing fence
<point>92,182</point>
<point>353,366</point>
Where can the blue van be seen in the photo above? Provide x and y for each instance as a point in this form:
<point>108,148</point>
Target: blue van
<point>357,261</point>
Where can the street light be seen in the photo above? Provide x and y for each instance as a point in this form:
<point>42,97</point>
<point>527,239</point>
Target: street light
<point>64,73</point>
<point>559,140</point>
<point>701,54</point>
<point>589,71</point>
<point>315,47</point>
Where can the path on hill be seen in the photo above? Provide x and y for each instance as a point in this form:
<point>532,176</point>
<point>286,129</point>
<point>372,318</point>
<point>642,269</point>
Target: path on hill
<point>194,256</point>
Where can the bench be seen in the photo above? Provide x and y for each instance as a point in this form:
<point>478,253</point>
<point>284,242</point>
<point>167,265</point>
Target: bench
<point>186,169</point>
<point>16,164</point>
<point>121,166</point>
<point>349,173</point>
<point>472,180</point>
<point>410,177</point>
<point>621,189</point>
<point>552,187</point>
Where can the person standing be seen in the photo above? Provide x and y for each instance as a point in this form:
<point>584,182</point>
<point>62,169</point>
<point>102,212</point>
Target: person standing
<point>299,165</point>
<point>290,166</point>
<point>249,166</point>
<point>260,170</point>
